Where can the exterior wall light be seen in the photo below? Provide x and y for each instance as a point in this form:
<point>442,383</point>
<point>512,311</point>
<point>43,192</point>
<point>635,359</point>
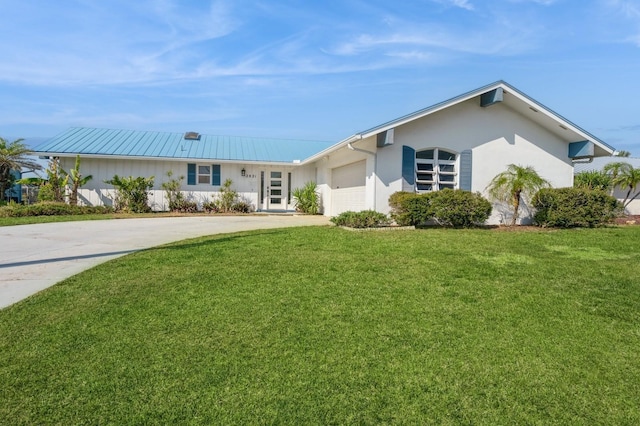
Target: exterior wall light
<point>243,172</point>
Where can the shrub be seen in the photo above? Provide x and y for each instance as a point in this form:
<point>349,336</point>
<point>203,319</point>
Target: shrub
<point>447,207</point>
<point>227,198</point>
<point>399,207</point>
<point>460,209</point>
<point>307,199</point>
<point>50,209</point>
<point>574,207</point>
<point>175,197</point>
<point>362,219</point>
<point>132,194</point>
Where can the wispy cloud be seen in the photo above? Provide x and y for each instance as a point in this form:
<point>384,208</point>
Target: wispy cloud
<point>629,11</point>
<point>463,4</point>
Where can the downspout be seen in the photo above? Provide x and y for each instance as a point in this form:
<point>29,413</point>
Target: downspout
<point>375,170</point>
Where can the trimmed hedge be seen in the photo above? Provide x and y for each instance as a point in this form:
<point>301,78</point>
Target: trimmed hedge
<point>50,209</point>
<point>574,207</point>
<point>448,207</point>
<point>362,219</point>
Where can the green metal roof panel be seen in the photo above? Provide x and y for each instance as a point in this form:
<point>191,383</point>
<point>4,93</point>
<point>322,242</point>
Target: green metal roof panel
<point>131,143</point>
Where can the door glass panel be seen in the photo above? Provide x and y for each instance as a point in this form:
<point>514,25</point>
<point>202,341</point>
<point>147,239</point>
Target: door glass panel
<point>277,183</point>
<point>276,192</point>
<point>276,201</point>
<point>276,175</point>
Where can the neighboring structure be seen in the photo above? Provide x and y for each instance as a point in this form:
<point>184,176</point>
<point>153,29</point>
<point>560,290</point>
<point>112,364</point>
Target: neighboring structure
<point>15,192</point>
<point>619,193</point>
<point>460,143</point>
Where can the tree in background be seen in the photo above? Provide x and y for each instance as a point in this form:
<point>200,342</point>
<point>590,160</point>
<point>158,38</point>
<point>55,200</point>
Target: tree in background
<point>622,153</point>
<point>629,179</point>
<point>76,180</point>
<point>614,169</point>
<point>592,179</point>
<point>514,184</point>
<point>13,156</point>
<point>54,187</point>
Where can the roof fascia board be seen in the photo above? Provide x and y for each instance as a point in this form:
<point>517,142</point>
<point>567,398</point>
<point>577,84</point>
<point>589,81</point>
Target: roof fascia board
<point>430,110</point>
<point>343,143</point>
<point>171,159</point>
<point>558,118</point>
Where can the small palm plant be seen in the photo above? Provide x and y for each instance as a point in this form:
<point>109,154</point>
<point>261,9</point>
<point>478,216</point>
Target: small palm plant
<point>514,184</point>
<point>76,180</point>
<point>629,179</point>
<point>307,199</point>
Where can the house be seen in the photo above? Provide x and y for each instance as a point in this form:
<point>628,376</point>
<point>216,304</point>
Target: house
<point>620,193</point>
<point>459,143</point>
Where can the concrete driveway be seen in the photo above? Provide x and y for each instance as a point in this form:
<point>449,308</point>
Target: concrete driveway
<point>34,257</point>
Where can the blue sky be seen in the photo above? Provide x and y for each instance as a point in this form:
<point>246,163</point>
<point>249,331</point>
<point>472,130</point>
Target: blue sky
<point>310,70</point>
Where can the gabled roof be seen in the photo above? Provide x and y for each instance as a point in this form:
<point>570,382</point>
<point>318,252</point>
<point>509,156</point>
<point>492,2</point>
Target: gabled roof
<point>512,98</point>
<point>91,142</point>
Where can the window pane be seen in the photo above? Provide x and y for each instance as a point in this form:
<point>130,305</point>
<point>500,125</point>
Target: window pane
<point>425,176</point>
<point>447,178</point>
<point>424,187</point>
<point>425,155</point>
<point>203,170</point>
<point>425,167</point>
<point>203,179</point>
<point>276,175</point>
<point>446,185</point>
<point>446,168</point>
<point>446,156</point>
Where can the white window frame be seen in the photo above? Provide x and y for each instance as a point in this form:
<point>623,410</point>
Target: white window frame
<point>440,178</point>
<point>206,175</point>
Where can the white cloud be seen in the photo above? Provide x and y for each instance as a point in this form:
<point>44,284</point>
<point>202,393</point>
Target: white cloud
<point>463,4</point>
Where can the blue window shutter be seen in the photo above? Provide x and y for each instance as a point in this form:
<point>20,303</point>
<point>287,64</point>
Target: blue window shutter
<point>466,163</point>
<point>191,174</point>
<point>215,174</point>
<point>408,168</point>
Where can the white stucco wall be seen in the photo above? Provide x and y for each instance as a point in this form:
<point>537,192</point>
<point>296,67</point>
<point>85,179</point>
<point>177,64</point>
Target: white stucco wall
<point>497,136</point>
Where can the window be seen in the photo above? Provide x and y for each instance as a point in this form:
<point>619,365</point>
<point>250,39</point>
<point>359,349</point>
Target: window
<point>208,174</point>
<point>204,174</point>
<point>435,169</point>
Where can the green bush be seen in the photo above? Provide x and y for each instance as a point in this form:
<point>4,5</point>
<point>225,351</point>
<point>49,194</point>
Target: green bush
<point>574,207</point>
<point>460,209</point>
<point>307,199</point>
<point>132,194</point>
<point>447,207</point>
<point>50,209</point>
<point>362,219</point>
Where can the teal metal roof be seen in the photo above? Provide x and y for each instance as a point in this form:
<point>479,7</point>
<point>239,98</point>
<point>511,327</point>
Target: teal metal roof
<point>132,143</point>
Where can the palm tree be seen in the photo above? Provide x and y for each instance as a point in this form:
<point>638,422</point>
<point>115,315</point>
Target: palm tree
<point>622,153</point>
<point>629,179</point>
<point>77,180</point>
<point>614,169</point>
<point>13,156</point>
<point>515,184</point>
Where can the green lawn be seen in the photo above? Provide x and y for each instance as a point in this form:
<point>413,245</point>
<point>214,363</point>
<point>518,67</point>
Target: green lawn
<point>326,326</point>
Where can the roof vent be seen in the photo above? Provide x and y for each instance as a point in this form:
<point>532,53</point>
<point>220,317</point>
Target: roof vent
<point>192,136</point>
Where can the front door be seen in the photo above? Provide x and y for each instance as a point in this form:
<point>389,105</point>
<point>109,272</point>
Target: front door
<point>274,185</point>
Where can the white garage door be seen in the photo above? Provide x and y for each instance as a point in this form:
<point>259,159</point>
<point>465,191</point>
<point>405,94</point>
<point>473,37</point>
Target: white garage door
<point>348,188</point>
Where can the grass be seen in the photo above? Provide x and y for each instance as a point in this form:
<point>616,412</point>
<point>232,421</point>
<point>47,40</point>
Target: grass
<point>327,326</point>
<point>11,221</point>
